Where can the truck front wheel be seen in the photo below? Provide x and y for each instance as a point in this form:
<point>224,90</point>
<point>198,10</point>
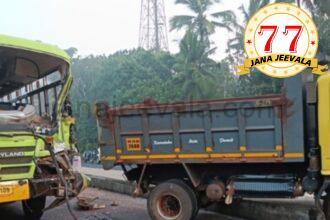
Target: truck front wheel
<point>33,208</point>
<point>172,200</point>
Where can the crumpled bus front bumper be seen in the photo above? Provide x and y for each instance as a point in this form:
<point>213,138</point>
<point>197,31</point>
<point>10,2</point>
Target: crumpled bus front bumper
<point>18,190</point>
<point>14,190</point>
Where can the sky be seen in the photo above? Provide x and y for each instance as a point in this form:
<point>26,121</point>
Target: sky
<point>93,27</point>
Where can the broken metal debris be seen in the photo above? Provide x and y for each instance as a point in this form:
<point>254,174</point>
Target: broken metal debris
<point>89,203</point>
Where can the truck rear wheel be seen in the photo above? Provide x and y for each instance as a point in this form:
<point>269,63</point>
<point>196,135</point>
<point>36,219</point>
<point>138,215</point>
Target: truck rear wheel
<point>172,200</point>
<point>191,193</point>
<point>33,208</point>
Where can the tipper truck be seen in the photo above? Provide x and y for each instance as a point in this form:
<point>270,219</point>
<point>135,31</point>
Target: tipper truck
<point>187,155</point>
<point>36,126</point>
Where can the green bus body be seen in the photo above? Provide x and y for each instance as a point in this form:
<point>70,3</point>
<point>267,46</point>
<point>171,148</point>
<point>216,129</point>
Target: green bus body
<point>25,155</point>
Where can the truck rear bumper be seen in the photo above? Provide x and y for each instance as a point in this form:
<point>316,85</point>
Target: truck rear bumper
<point>17,190</point>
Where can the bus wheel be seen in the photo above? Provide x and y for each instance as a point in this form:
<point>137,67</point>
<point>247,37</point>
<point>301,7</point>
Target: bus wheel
<point>172,200</point>
<point>33,208</point>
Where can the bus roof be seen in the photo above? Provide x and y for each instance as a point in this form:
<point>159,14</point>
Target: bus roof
<point>34,46</point>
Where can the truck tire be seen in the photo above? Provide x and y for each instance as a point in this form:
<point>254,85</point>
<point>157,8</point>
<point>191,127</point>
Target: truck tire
<point>172,200</point>
<point>33,208</point>
<point>191,193</point>
<point>326,207</point>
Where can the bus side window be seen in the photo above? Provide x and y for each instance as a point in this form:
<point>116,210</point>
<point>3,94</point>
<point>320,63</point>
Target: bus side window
<point>35,102</point>
<point>13,95</point>
<point>58,90</point>
<point>42,103</point>
<point>48,111</point>
<point>51,99</point>
<point>34,86</point>
<point>54,77</point>
<point>24,101</point>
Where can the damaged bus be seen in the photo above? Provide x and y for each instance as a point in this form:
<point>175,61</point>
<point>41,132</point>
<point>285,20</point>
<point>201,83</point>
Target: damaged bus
<point>36,126</point>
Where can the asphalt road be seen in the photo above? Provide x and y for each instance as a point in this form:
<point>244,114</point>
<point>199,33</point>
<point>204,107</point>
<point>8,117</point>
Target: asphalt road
<point>118,207</point>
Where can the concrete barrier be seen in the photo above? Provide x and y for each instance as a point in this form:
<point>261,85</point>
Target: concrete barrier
<point>114,185</point>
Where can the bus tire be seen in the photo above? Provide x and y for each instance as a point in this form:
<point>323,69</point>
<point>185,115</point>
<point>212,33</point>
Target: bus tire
<point>172,200</point>
<point>33,208</point>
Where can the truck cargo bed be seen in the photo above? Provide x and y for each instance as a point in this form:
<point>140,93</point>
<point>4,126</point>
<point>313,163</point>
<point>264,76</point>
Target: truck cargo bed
<point>256,129</point>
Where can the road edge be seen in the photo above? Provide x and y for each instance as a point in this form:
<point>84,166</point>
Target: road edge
<point>113,185</point>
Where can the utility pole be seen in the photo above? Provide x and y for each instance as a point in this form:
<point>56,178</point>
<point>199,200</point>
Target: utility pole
<point>153,28</point>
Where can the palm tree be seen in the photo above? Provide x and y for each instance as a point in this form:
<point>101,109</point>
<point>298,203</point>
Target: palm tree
<point>316,6</point>
<point>193,66</point>
<point>235,45</point>
<point>320,10</point>
<point>324,6</point>
<point>201,22</point>
<point>307,3</point>
<point>236,54</point>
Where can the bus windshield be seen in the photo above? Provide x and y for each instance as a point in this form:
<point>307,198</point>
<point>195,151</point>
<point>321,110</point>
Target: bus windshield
<point>31,78</point>
<point>36,100</point>
<point>41,93</point>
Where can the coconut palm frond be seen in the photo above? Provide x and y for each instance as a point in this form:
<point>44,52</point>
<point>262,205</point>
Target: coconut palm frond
<point>308,4</point>
<point>225,15</point>
<point>244,12</point>
<point>263,3</point>
<point>183,2</point>
<point>222,25</point>
<point>181,21</point>
<point>200,23</point>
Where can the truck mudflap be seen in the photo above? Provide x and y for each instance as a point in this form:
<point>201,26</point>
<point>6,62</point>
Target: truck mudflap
<point>16,190</point>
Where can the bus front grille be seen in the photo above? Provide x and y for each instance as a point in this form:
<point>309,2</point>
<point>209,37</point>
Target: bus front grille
<point>16,161</point>
<point>14,170</point>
